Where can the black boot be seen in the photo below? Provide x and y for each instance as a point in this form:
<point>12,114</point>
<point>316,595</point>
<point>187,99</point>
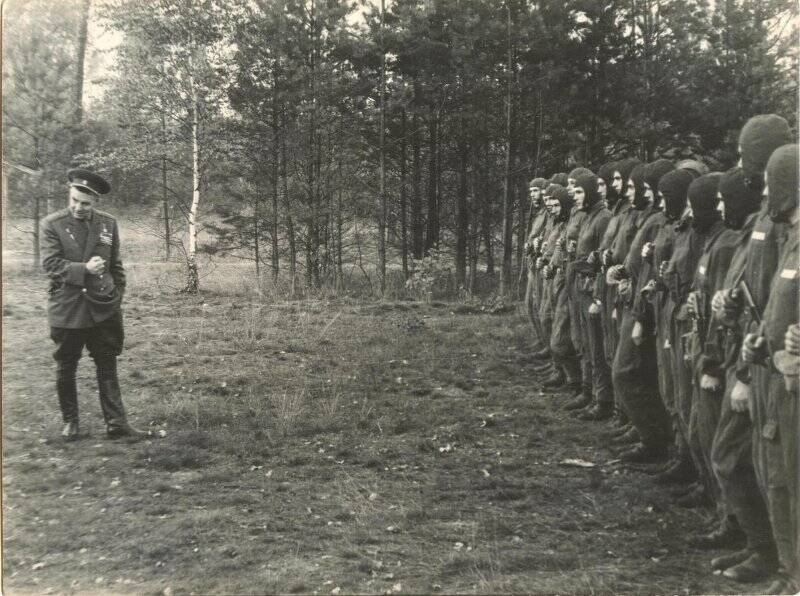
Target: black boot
<point>728,535</point>
<point>758,566</point>
<point>697,498</point>
<point>618,431</point>
<point>680,472</point>
<point>556,380</point>
<point>111,401</point>
<point>541,354</point>
<point>600,411</point>
<point>581,401</point>
<point>643,454</point>
<point>628,437</point>
<point>67,391</point>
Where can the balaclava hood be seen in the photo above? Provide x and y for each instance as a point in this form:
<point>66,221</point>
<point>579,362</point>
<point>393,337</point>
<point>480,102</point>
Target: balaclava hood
<point>560,179</point>
<point>625,167</point>
<point>703,199</point>
<point>674,186</point>
<point>782,183</point>
<point>606,172</point>
<point>637,177</point>
<point>548,192</point>
<point>740,200</point>
<point>759,138</point>
<point>567,203</point>
<point>653,174</point>
<point>541,184</point>
<point>696,168</point>
<point>579,171</point>
<point>588,182</point>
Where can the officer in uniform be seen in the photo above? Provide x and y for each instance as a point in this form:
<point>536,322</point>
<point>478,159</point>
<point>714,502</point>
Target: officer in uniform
<point>80,254</point>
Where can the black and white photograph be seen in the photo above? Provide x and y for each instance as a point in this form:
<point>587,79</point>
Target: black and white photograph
<point>397,297</point>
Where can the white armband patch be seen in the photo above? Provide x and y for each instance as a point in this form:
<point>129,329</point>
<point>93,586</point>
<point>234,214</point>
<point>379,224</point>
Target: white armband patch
<point>756,235</point>
<point>789,273</point>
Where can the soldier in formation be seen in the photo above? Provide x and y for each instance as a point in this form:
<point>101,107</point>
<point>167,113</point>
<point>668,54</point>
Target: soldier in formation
<point>665,298</point>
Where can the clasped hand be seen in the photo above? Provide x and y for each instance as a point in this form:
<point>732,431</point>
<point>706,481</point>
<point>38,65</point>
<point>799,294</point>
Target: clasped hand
<point>96,265</point>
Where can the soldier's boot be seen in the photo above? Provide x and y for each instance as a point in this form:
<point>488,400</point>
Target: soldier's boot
<point>682,490</point>
<point>555,381</point>
<point>617,431</point>
<point>627,438</point>
<point>543,369</point>
<point>696,498</point>
<point>111,401</point>
<point>783,585</point>
<point>583,399</point>
<point>67,390</point>
<point>620,418</point>
<point>756,567</point>
<point>681,471</point>
<point>600,411</point>
<point>541,354</point>
<point>728,536</point>
<point>728,560</point>
<point>643,454</point>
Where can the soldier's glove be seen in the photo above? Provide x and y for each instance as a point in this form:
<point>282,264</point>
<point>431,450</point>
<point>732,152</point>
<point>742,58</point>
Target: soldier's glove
<point>727,304</point>
<point>792,339</point>
<point>754,348</point>
<point>607,257</point>
<point>692,304</point>
<point>637,334</point>
<point>572,246</point>
<point>662,268</point>
<point>647,250</point>
<point>615,274</point>
<point>740,397</point>
<point>709,383</point>
<point>649,289</point>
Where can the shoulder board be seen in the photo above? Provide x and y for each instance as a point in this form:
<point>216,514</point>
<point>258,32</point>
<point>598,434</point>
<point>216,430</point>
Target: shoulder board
<point>56,215</point>
<point>109,219</point>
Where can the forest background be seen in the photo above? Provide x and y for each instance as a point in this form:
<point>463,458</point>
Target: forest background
<point>367,148</point>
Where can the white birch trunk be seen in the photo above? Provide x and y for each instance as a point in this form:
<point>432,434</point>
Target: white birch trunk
<point>192,280</point>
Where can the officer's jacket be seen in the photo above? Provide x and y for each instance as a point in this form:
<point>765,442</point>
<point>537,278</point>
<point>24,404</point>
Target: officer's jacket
<point>78,299</point>
<point>782,307</point>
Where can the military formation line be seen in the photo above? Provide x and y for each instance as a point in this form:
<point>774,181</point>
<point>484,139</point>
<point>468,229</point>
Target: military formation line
<point>665,297</point>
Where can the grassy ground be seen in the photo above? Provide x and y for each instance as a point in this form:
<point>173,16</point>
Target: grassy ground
<point>320,447</point>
